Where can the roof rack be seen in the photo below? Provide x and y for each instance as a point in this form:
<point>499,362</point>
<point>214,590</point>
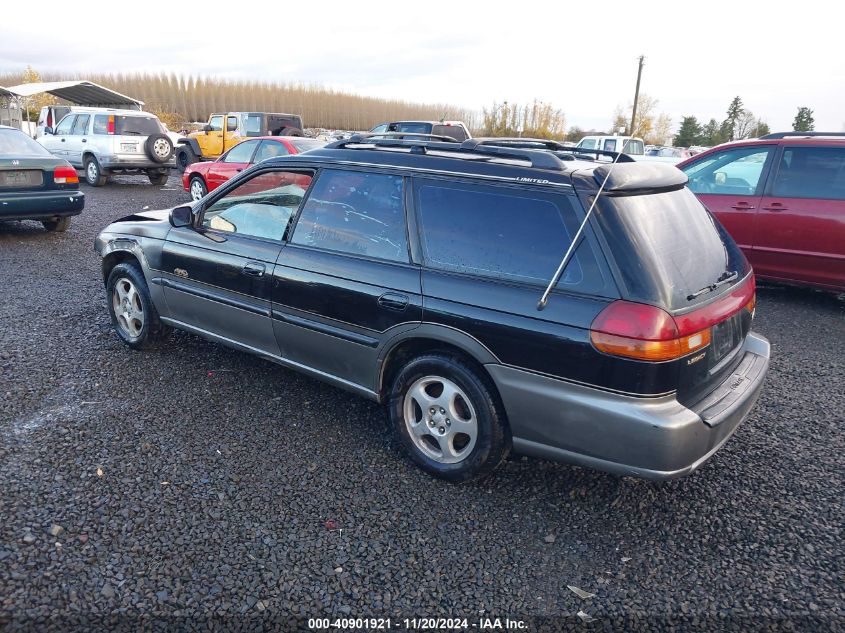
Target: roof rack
<point>411,135</point>
<point>564,152</point>
<point>539,158</point>
<point>800,134</point>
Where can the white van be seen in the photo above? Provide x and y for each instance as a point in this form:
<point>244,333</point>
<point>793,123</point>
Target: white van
<point>630,145</point>
<point>50,117</point>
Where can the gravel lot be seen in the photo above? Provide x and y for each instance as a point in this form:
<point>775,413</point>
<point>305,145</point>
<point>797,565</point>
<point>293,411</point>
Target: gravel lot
<point>196,482</point>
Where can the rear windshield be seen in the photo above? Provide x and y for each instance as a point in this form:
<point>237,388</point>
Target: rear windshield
<point>136,126</point>
<point>14,143</point>
<point>667,246</point>
<point>304,144</point>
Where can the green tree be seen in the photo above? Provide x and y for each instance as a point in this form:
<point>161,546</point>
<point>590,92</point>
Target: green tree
<point>760,129</point>
<point>804,121</point>
<point>734,114</point>
<point>689,133</point>
<point>711,134</point>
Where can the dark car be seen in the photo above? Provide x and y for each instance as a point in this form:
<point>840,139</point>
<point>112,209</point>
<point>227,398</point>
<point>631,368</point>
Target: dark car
<point>452,129</point>
<point>200,178</point>
<point>782,198</point>
<point>410,272</point>
<point>34,184</point>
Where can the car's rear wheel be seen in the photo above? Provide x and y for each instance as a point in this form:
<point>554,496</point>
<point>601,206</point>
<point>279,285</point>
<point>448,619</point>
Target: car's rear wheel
<point>133,315</point>
<point>59,225</point>
<point>94,175</point>
<point>158,178</point>
<point>447,418</point>
<point>184,156</point>
<point>290,131</point>
<point>197,188</point>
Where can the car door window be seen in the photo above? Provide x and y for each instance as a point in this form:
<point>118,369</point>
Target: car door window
<point>502,234</point>
<point>379,129</point>
<point>261,206</point>
<point>241,153</point>
<point>80,127</point>
<point>216,124</point>
<point>731,172</point>
<point>231,123</point>
<point>811,172</point>
<point>270,149</point>
<point>65,125</point>
<point>355,212</point>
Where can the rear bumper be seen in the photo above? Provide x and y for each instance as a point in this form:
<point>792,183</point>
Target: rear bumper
<point>40,204</point>
<point>653,438</point>
<point>133,162</point>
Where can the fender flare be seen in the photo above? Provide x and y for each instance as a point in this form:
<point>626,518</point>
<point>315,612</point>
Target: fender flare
<point>190,142</point>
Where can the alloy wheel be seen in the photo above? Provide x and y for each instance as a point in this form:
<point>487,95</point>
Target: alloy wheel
<point>127,306</point>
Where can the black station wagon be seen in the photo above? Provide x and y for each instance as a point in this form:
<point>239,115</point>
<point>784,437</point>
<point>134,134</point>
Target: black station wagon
<point>411,272</point>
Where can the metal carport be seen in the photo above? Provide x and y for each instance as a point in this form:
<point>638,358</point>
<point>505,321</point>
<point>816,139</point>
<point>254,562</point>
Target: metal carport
<point>83,93</point>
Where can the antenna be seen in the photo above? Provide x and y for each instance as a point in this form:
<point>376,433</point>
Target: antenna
<point>575,240</point>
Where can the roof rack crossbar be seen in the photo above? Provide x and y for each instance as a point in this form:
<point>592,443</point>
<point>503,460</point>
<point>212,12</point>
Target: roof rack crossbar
<point>539,158</point>
<point>776,135</point>
<point>564,152</point>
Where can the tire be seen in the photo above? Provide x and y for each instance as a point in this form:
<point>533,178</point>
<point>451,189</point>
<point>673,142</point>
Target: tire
<point>59,225</point>
<point>197,188</point>
<point>159,148</point>
<point>133,315</point>
<point>184,156</point>
<point>157,178</point>
<point>94,175</point>
<point>438,438</point>
<point>290,131</point>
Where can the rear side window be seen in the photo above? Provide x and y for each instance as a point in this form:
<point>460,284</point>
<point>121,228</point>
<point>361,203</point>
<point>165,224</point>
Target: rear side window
<point>411,128</point>
<point>357,213</point>
<point>502,233</point>
<point>80,127</point>
<point>454,131</point>
<point>101,124</point>
<point>811,172</point>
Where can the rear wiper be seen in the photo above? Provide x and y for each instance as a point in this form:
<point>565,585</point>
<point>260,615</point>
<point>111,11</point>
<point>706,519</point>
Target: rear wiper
<point>130,132</point>
<point>724,278</point>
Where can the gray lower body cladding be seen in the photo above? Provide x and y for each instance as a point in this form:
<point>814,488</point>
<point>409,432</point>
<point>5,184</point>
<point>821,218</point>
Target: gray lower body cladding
<point>654,438</point>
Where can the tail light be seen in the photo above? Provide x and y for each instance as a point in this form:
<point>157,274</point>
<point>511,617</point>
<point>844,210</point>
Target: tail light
<point>110,126</point>
<point>65,176</point>
<point>645,332</point>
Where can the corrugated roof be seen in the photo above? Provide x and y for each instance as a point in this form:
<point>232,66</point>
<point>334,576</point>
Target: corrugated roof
<point>5,92</point>
<point>77,92</point>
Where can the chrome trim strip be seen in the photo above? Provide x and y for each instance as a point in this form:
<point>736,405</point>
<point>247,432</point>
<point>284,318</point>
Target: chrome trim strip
<point>211,296</point>
<point>324,328</point>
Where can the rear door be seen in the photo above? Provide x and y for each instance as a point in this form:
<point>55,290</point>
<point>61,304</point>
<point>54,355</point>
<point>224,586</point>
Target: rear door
<point>232,134</point>
<point>730,184</point>
<point>217,276</point>
<point>231,164</point>
<point>344,284</point>
<point>801,223</point>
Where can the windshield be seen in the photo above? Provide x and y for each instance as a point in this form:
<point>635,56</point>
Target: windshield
<point>136,126</point>
<point>667,246</point>
<point>16,143</point>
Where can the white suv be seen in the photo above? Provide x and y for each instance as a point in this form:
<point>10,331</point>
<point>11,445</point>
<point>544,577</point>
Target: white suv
<point>105,141</point>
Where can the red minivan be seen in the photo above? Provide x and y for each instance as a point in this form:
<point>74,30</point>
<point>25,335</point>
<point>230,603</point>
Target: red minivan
<point>202,177</point>
<point>782,199</point>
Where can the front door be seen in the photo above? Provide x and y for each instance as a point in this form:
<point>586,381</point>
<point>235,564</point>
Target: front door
<point>801,223</point>
<point>56,143</point>
<point>212,144</point>
<point>344,284</point>
<point>230,164</point>
<point>730,184</point>
<point>218,274</point>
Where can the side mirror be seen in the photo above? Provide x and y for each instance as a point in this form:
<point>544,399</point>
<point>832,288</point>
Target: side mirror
<point>206,128</point>
<point>181,217</point>
<point>48,130</point>
<point>721,177</point>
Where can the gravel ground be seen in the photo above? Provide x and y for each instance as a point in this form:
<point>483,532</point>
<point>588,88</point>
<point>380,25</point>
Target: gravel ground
<point>200,487</point>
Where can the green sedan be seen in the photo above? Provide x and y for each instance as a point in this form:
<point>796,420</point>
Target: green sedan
<point>34,184</point>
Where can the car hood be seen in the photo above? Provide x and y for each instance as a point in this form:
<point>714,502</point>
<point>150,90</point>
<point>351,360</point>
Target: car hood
<point>155,224</point>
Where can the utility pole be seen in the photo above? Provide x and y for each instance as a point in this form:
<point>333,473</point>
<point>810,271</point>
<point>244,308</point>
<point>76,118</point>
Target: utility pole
<point>636,96</point>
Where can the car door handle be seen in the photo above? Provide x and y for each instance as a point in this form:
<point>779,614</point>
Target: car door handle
<point>742,206</point>
<point>85,140</point>
<point>775,206</point>
<point>253,270</point>
<point>393,301</point>
<point>63,140</point>
<point>238,170</point>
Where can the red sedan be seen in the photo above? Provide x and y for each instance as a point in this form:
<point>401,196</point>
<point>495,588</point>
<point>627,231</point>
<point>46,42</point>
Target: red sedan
<point>782,198</point>
<point>200,178</point>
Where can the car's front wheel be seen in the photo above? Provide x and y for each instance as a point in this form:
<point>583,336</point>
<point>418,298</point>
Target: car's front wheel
<point>197,188</point>
<point>133,314</point>
<point>158,178</point>
<point>448,419</point>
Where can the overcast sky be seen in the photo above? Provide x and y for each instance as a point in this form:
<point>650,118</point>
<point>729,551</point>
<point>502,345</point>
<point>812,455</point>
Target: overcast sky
<point>580,56</point>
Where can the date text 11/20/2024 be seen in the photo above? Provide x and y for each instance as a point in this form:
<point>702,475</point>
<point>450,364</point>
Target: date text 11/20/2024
<point>416,624</point>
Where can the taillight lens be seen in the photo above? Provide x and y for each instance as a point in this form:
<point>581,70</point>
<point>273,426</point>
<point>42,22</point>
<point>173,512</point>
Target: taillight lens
<point>65,176</point>
<point>645,332</point>
<point>110,127</point>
